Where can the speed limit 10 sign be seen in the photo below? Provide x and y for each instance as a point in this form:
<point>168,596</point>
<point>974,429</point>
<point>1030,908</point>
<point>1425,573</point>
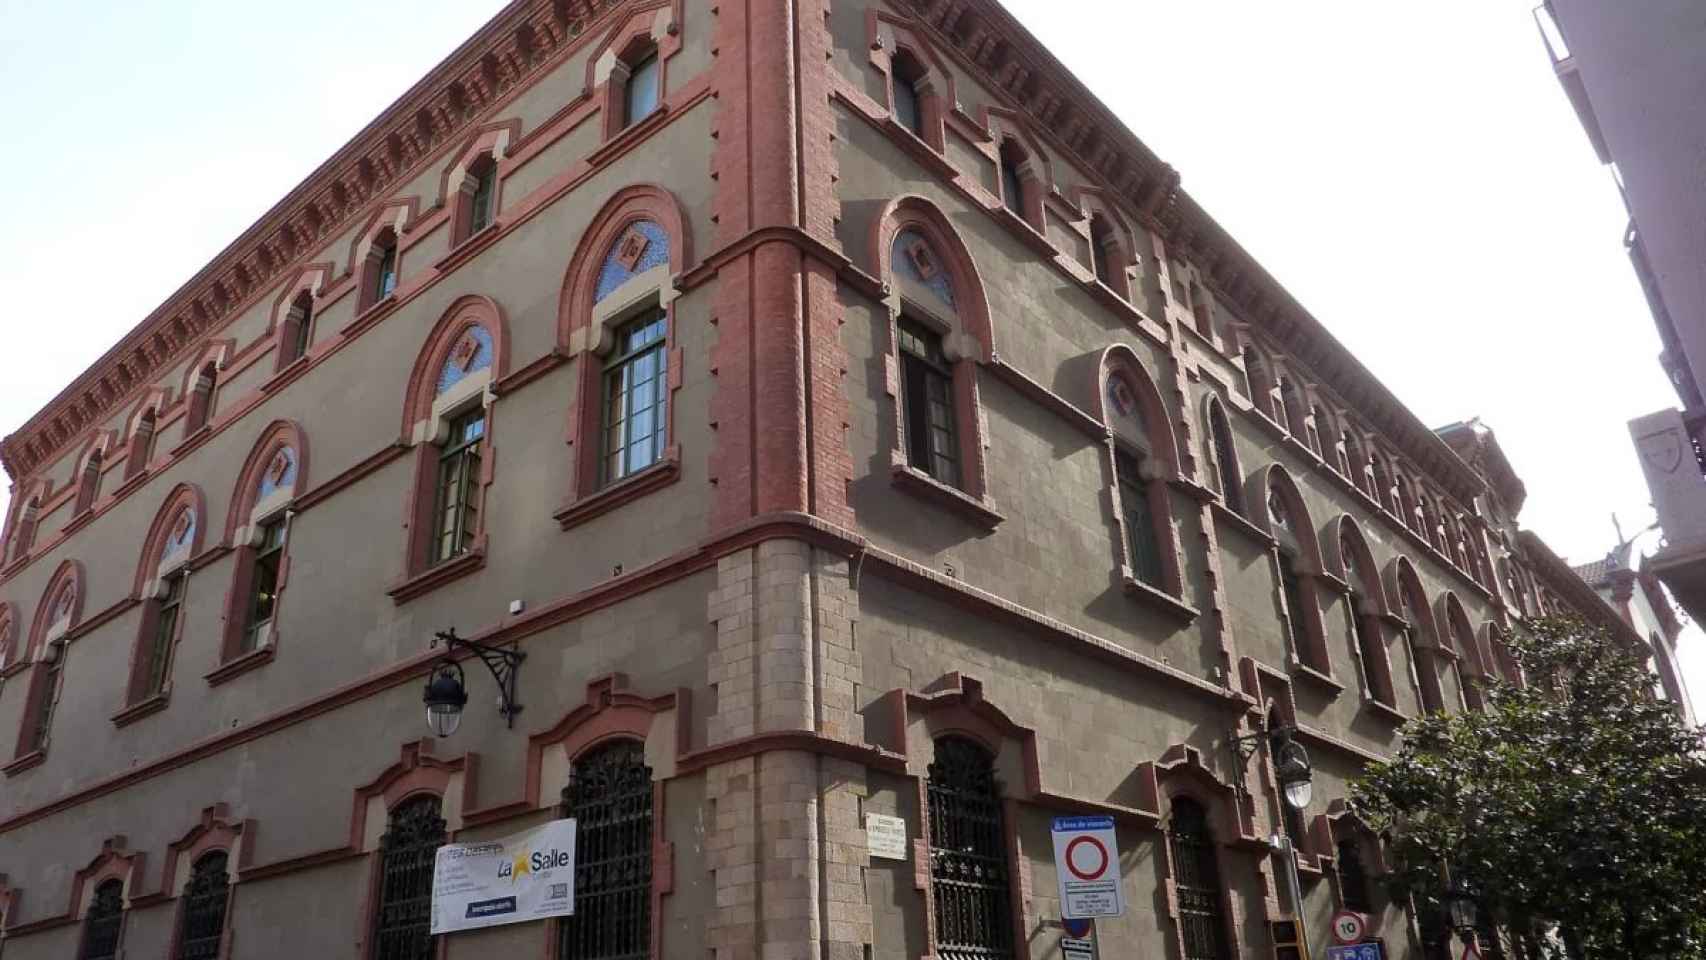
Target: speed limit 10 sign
<point>1348,927</point>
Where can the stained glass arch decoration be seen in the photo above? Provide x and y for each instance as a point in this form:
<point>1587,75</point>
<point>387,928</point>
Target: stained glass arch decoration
<point>280,474</point>
<point>916,261</point>
<point>470,353</point>
<point>643,245</point>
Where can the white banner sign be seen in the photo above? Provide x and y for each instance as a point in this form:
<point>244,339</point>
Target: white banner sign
<point>1088,862</point>
<point>529,876</point>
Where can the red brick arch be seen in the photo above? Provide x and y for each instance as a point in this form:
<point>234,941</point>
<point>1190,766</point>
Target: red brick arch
<point>640,201</point>
<point>916,213</point>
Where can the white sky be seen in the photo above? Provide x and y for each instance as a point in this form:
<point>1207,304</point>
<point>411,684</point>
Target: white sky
<point>1412,173</point>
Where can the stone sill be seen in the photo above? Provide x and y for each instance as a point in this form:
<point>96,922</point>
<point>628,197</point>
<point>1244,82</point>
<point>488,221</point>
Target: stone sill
<point>920,484</point>
<point>1390,714</point>
<point>1158,599</point>
<point>240,665</point>
<point>1237,522</point>
<point>142,708</point>
<point>32,759</point>
<point>438,575</point>
<point>1303,671</point>
<point>629,488</point>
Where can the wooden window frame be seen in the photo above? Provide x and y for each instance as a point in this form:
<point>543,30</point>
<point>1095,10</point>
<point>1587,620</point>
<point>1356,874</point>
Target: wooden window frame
<point>244,526</point>
<point>457,512</point>
<point>161,585</point>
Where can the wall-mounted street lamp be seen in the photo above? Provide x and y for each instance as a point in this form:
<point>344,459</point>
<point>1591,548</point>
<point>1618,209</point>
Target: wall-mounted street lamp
<point>1465,912</point>
<point>1295,776</point>
<point>447,693</point>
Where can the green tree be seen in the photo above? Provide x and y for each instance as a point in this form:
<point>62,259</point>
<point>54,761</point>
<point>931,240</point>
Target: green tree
<point>1575,805</point>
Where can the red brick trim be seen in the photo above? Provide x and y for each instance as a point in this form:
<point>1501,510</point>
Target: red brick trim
<point>115,862</point>
<point>278,435</point>
<point>214,832</point>
<point>139,702</point>
<point>142,428</point>
<point>62,600</point>
<point>9,629</point>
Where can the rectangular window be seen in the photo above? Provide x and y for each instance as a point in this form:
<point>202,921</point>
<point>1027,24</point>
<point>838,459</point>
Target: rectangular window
<point>457,513</point>
<point>165,631</point>
<point>265,584</point>
<point>385,278</point>
<point>1139,521</point>
<point>485,192</point>
<point>906,107</point>
<point>44,706</point>
<point>636,391</point>
<point>642,92</point>
<point>927,402</point>
<point>1293,601</point>
<point>304,329</point>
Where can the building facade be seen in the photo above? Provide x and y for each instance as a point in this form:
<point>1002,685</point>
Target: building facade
<point>1635,77</point>
<point>843,414</point>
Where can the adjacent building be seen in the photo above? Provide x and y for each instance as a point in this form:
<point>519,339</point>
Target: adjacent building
<point>1634,74</point>
<point>843,414</point>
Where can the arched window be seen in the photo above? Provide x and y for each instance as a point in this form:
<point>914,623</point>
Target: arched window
<point>642,87</point>
<point>1225,458</point>
<point>1012,182</point>
<point>483,202</point>
<point>1143,457</point>
<point>1431,529</point>
<point>1142,539</point>
<point>1407,503</point>
<point>43,696</point>
<point>163,583</point>
<point>59,611</point>
<point>1196,878</point>
<point>298,330</point>
<point>1365,609</point>
<point>1298,598</point>
<point>402,922</point>
<point>1354,890</point>
<point>1418,626</point>
<point>103,923</point>
<point>8,636</point>
<point>1296,414</point>
<point>1261,384</point>
<point>259,528</point>
<point>201,398</point>
<point>1202,310</point>
<point>1356,461</point>
<point>636,397</point>
<point>610,796</point>
<point>201,921</point>
<point>907,74</point>
<point>23,531</point>
<point>1382,479</point>
<point>969,876</point>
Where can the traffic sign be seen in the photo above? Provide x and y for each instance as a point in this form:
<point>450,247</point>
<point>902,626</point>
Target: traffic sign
<point>1077,929</point>
<point>1356,951</point>
<point>1348,926</point>
<point>1087,861</point>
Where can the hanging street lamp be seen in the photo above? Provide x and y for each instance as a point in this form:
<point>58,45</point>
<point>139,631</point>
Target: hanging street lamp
<point>446,689</point>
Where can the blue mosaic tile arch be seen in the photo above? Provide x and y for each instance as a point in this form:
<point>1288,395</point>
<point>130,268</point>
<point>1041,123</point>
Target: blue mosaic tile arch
<point>280,474</point>
<point>906,265</point>
<point>182,532</point>
<point>454,371</point>
<point>614,272</point>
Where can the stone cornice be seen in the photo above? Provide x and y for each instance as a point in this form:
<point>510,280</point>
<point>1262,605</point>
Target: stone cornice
<point>1017,67</point>
<point>523,40</point>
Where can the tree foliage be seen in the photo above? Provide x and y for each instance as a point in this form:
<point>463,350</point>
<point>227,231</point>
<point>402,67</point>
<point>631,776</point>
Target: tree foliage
<point>1575,804</point>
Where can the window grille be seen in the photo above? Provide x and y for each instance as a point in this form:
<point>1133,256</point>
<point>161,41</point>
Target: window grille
<point>404,918</point>
<point>610,796</point>
<point>264,594</point>
<point>104,921</point>
<point>1196,878</point>
<point>927,400</point>
<point>1139,521</point>
<point>642,89</point>
<point>457,516</point>
<point>203,923</point>
<point>1353,878</point>
<point>636,391</point>
<point>968,854</point>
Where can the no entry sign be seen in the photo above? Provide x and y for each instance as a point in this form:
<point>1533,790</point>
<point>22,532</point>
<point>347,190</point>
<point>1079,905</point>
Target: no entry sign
<point>1087,860</point>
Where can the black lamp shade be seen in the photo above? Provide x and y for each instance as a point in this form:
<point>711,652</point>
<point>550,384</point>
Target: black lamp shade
<point>445,696</point>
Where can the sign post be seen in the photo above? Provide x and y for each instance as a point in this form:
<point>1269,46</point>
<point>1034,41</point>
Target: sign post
<point>528,876</point>
<point>1087,861</point>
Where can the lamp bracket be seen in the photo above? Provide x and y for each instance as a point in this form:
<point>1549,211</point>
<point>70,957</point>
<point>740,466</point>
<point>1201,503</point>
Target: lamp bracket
<point>501,661</point>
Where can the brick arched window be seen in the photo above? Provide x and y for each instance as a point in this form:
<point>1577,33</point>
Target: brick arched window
<point>162,584</point>
<point>204,903</point>
<point>1296,413</point>
<point>297,330</point>
<point>60,611</point>
<point>908,80</point>
<point>1197,882</point>
<point>1367,608</point>
<point>1458,644</point>
<point>642,88</point>
<point>201,398</point>
<point>1431,528</point>
<point>1421,637</point>
<point>1356,460</point>
<point>1355,891</point>
<point>258,527</point>
<point>939,325</point>
<point>1406,503</point>
<point>1021,178</point>
<point>23,530</point>
<point>1144,458</point>
<point>1297,566</point>
<point>1225,457</point>
<point>610,796</point>
<point>1381,476</point>
<point>970,889</point>
<point>103,922</point>
<point>474,205</point>
<point>1012,157</point>
<point>450,418</point>
<point>403,915</point>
